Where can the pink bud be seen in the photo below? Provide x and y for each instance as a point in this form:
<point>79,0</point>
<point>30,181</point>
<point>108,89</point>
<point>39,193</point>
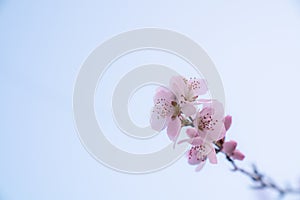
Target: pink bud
<point>227,122</point>
<point>229,147</point>
<point>238,155</point>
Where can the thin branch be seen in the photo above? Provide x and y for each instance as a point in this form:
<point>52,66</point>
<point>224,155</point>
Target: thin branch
<point>261,181</point>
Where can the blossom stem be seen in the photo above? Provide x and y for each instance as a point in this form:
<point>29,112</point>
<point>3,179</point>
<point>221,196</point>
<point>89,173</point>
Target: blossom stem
<point>261,181</point>
<point>188,122</point>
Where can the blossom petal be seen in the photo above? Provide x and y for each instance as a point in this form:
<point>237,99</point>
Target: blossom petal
<point>229,147</point>
<point>191,132</point>
<point>212,136</point>
<point>157,122</point>
<point>210,120</point>
<point>227,122</point>
<point>173,129</point>
<point>163,108</point>
<point>196,141</point>
<point>188,109</point>
<point>212,156</point>
<point>162,92</point>
<point>192,156</point>
<point>178,87</point>
<point>198,86</point>
<point>218,109</point>
<point>222,133</point>
<point>202,101</point>
<point>238,155</point>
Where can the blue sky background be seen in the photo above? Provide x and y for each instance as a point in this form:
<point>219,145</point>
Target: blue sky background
<point>254,44</point>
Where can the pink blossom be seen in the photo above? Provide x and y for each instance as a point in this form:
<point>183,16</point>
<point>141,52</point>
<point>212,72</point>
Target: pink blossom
<point>230,149</point>
<point>187,90</point>
<point>198,154</point>
<point>176,107</point>
<point>209,126</point>
<point>163,109</point>
<point>238,155</point>
<point>165,113</point>
<point>201,149</point>
<point>170,104</point>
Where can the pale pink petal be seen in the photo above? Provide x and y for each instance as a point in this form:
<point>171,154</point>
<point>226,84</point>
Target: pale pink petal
<point>188,109</point>
<point>191,132</point>
<point>202,102</point>
<point>196,141</point>
<point>178,86</point>
<point>212,136</point>
<point>238,155</point>
<point>218,109</point>
<point>229,147</point>
<point>212,156</point>
<point>206,111</point>
<point>157,122</point>
<point>163,108</point>
<point>222,133</point>
<point>162,92</point>
<point>193,141</point>
<point>210,122</point>
<point>192,155</point>
<point>173,129</point>
<point>198,86</point>
<point>227,122</point>
<point>216,106</point>
<point>200,166</point>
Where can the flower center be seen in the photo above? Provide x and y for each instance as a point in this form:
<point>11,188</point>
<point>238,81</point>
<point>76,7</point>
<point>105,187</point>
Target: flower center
<point>201,152</point>
<point>177,110</point>
<point>162,108</point>
<point>206,122</point>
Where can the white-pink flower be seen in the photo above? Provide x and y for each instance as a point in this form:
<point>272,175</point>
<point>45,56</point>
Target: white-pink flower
<point>208,125</point>
<point>208,128</point>
<point>201,149</point>
<point>169,104</point>
<point>187,91</point>
<point>198,155</point>
<point>176,106</point>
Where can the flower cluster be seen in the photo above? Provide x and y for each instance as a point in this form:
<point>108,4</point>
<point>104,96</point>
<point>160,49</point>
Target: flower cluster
<point>180,106</point>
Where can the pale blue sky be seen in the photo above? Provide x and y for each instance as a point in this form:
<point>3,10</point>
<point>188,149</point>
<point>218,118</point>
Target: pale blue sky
<point>254,44</point>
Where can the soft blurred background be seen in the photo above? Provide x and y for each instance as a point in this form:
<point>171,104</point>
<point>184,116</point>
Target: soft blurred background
<point>254,44</point>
